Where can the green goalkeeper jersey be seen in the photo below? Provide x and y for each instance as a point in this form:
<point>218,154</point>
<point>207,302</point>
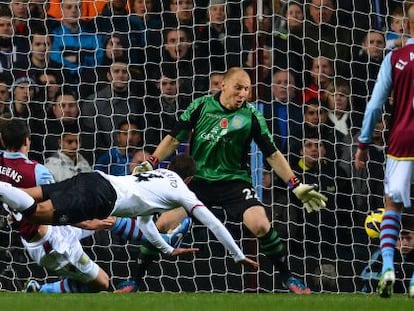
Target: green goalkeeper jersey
<point>220,140</point>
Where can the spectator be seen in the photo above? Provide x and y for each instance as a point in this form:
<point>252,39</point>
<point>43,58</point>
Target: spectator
<point>394,37</point>
<point>321,74</point>
<point>88,9</point>
<point>39,17</point>
<point>38,60</point>
<point>210,37</point>
<point>239,45</point>
<point>62,114</point>
<point>177,52</point>
<point>328,234</point>
<point>67,161</point>
<point>20,19</point>
<point>215,81</point>
<point>7,47</point>
<point>284,115</point>
<point>284,119</point>
<point>76,45</point>
<point>288,44</point>
<point>101,112</point>
<point>113,18</point>
<point>323,34</point>
<point>145,33</point>
<point>179,14</point>
<point>368,182</point>
<point>365,67</point>
<point>115,48</point>
<point>260,63</point>
<point>116,160</point>
<point>315,124</point>
<point>337,97</point>
<point>50,82</point>
<point>162,111</point>
<point>24,99</point>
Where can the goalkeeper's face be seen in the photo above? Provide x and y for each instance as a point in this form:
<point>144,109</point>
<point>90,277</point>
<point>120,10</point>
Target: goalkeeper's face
<point>235,90</point>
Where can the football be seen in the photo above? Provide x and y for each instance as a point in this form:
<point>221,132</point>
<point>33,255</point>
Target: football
<point>373,223</point>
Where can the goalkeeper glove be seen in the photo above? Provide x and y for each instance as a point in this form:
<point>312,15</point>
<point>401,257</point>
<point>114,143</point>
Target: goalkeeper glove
<point>146,166</point>
<point>312,200</point>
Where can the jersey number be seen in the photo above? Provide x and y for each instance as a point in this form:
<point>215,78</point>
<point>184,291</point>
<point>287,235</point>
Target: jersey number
<point>249,194</point>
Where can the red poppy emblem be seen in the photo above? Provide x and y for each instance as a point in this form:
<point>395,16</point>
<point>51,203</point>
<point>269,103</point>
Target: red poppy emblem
<point>224,123</point>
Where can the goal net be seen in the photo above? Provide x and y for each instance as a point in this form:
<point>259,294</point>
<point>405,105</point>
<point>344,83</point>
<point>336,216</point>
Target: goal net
<point>313,65</point>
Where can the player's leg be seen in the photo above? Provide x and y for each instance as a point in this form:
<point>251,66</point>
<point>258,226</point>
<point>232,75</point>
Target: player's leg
<point>69,285</point>
<point>82,274</point>
<point>255,219</point>
<point>60,251</point>
<point>128,229</point>
<point>20,200</point>
<point>397,181</point>
<point>16,198</point>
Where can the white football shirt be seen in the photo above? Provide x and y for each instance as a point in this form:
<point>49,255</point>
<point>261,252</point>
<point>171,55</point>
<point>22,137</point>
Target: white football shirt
<point>158,191</point>
<point>150,192</point>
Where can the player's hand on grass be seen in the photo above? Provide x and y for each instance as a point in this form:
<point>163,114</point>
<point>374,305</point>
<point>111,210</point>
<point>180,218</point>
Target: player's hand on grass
<point>182,251</point>
<point>146,166</point>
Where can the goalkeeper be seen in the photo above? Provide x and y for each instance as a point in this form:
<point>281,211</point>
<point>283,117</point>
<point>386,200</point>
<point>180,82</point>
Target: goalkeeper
<point>222,128</point>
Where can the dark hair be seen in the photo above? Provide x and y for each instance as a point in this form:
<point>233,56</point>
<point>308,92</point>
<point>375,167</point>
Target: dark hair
<point>129,121</point>
<point>184,165</point>
<point>14,133</point>
<point>69,91</point>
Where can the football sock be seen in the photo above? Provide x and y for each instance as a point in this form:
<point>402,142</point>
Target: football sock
<point>272,247</point>
<point>128,229</point>
<point>390,228</point>
<point>65,286</point>
<point>17,199</point>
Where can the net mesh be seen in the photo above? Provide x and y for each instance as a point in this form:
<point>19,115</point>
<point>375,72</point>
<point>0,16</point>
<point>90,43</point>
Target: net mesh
<point>120,61</point>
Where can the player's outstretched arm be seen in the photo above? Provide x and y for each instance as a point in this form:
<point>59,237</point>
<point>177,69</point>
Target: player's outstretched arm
<point>97,224</point>
<point>312,199</point>
<point>249,262</point>
<point>182,251</point>
<point>164,149</point>
<point>149,229</point>
<point>222,234</point>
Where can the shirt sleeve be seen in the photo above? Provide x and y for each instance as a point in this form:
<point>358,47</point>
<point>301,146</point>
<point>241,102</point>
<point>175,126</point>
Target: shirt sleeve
<point>148,228</point>
<point>43,175</point>
<point>380,94</point>
<point>219,230</point>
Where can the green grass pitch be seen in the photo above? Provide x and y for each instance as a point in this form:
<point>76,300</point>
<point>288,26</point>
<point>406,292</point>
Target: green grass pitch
<point>200,302</point>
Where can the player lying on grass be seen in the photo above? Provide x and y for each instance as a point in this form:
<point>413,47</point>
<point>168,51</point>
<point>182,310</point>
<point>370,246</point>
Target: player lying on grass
<point>58,249</point>
<point>97,195</point>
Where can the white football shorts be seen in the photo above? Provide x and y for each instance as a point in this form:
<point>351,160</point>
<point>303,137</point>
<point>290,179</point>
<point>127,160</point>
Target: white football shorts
<point>398,179</point>
<point>60,251</point>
